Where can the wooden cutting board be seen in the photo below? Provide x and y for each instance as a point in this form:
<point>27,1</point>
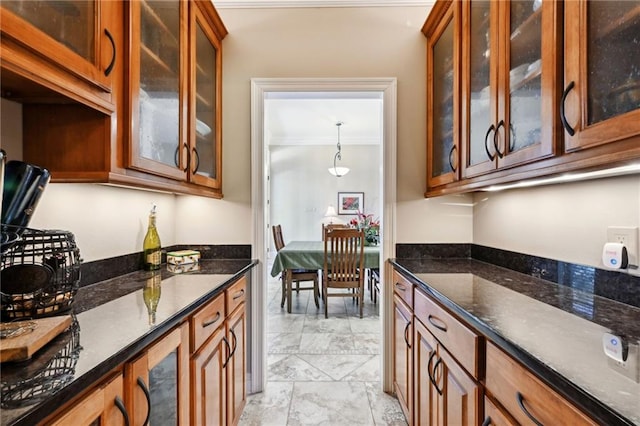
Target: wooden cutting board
<point>23,347</point>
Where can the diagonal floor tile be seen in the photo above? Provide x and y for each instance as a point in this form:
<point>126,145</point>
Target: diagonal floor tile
<point>335,404</point>
<point>369,371</point>
<point>291,368</point>
<point>336,366</point>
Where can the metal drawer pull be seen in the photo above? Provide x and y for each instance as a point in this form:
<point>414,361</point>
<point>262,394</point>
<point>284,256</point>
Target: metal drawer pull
<point>118,403</point>
<point>235,343</point>
<point>406,340</point>
<point>435,367</point>
<point>524,409</point>
<point>145,389</point>
<point>109,68</point>
<point>563,117</point>
<point>495,139</point>
<point>437,323</point>
<point>213,321</point>
<point>486,140</point>
<point>400,287</point>
<point>433,382</point>
<point>226,361</point>
<point>238,294</point>
<point>487,422</point>
<point>454,149</point>
<point>197,157</point>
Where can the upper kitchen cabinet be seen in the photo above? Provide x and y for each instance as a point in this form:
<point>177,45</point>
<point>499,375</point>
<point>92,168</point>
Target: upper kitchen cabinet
<point>510,73</point>
<point>56,49</point>
<point>175,82</point>
<point>442,29</point>
<point>601,99</point>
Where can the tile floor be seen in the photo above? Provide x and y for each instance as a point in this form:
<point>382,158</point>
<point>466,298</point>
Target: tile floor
<point>322,371</point>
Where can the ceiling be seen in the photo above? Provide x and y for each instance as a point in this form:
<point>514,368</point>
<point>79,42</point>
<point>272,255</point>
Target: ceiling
<point>310,118</point>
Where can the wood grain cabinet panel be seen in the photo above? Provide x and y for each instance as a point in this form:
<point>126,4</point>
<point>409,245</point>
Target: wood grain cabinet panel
<point>524,396</point>
<point>403,355</point>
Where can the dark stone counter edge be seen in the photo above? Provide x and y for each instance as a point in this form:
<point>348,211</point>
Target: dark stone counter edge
<point>90,378</point>
<point>586,402</point>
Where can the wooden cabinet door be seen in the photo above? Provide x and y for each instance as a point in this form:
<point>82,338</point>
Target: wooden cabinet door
<point>209,381</point>
<point>403,355</point>
<point>602,72</point>
<point>205,116</point>
<point>443,58</point>
<point>424,394</point>
<point>458,394</point>
<point>157,141</point>
<point>76,36</point>
<point>104,405</point>
<point>157,382</point>
<point>236,365</point>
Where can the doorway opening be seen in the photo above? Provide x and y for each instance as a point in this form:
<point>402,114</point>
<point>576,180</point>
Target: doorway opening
<point>261,91</point>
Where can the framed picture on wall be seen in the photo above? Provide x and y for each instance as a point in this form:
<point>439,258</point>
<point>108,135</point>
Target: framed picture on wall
<point>350,202</point>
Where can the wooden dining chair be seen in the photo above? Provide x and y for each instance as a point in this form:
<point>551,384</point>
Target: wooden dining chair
<point>331,226</point>
<point>343,266</point>
<point>291,276</point>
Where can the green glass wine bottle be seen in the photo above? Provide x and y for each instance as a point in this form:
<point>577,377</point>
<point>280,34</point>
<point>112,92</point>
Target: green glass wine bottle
<point>151,245</point>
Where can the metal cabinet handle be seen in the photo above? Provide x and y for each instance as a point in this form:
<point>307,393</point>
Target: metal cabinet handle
<point>197,157</point>
<point>486,140</point>
<point>147,395</point>
<point>454,149</point>
<point>400,287</point>
<point>495,139</point>
<point>213,321</point>
<point>109,68</point>
<point>406,329</point>
<point>520,399</point>
<point>238,294</point>
<point>235,342</point>
<point>435,367</point>
<point>437,323</point>
<point>563,117</point>
<point>226,342</point>
<point>487,422</point>
<point>433,353</point>
<point>118,403</point>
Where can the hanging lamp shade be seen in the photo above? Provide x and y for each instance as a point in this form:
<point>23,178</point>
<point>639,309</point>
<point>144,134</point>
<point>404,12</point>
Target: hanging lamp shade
<point>335,170</point>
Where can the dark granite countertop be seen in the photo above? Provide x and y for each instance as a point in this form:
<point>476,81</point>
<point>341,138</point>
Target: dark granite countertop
<point>553,329</point>
<point>111,326</point>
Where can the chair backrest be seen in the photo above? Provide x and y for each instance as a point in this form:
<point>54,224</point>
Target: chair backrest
<point>344,257</point>
<point>277,237</point>
<point>330,227</point>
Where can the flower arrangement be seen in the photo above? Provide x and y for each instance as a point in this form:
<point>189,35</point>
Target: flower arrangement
<point>370,227</point>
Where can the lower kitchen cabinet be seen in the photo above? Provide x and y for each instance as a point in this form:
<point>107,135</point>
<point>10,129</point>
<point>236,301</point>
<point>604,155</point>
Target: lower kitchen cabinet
<point>236,327</point>
<point>524,396</point>
<point>445,394</point>
<point>104,406</point>
<point>403,354</point>
<point>157,381</point>
<point>209,381</point>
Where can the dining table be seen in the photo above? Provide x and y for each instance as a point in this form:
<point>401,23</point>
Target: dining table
<point>310,255</point>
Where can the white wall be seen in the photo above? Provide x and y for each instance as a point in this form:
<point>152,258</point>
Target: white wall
<point>302,188</point>
<point>566,222</point>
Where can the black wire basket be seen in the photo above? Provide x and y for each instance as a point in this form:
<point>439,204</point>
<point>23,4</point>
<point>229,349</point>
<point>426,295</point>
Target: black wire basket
<point>48,371</point>
<point>40,273</point>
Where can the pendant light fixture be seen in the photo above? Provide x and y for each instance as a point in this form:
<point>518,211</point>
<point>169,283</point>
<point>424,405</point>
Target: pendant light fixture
<point>338,171</point>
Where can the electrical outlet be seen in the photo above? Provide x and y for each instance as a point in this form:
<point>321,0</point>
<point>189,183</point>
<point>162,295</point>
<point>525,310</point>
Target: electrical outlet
<point>628,236</point>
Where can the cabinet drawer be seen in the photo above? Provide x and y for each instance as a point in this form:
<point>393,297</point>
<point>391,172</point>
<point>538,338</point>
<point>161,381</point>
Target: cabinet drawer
<point>518,390</point>
<point>495,416</point>
<point>403,288</point>
<point>236,294</point>
<point>459,340</point>
<point>206,321</point>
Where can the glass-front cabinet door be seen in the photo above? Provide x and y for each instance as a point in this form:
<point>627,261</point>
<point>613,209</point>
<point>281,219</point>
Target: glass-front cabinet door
<point>205,116</point>
<point>157,141</point>
<point>157,382</point>
<point>442,98</point>
<point>601,99</point>
<point>75,34</point>
<point>509,63</point>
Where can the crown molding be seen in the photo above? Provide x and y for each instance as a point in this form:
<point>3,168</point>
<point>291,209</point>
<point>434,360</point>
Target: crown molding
<point>265,4</point>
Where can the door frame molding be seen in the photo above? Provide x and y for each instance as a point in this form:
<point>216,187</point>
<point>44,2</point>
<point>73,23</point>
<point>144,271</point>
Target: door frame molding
<point>260,232</point>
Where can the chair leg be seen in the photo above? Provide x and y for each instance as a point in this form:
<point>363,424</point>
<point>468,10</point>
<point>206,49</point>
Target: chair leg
<point>326,300</point>
<point>284,290</point>
<point>289,285</point>
<point>315,292</point>
<point>361,297</point>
